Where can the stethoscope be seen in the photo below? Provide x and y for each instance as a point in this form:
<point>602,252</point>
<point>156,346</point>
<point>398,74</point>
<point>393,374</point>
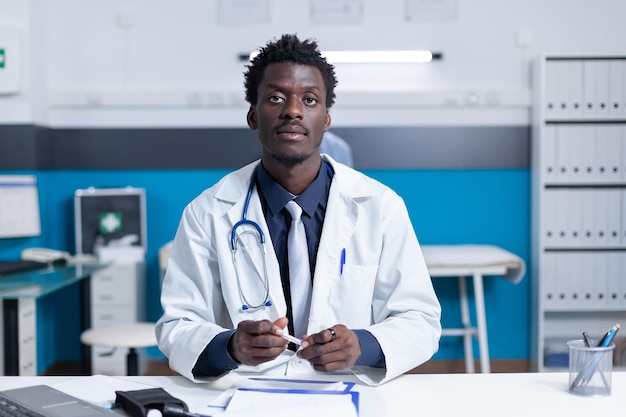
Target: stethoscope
<point>247,306</point>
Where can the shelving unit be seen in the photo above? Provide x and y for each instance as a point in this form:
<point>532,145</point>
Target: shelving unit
<point>578,202</point>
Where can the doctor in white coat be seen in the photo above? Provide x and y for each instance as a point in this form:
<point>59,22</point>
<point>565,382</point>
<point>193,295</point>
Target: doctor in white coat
<point>373,311</point>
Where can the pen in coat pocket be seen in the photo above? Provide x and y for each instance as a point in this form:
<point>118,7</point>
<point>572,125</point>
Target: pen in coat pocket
<point>343,261</point>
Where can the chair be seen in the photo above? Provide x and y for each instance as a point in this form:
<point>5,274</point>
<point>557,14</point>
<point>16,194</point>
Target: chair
<point>131,336</point>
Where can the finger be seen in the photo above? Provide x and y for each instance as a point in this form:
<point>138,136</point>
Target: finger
<point>332,361</point>
<point>323,337</point>
<point>278,326</point>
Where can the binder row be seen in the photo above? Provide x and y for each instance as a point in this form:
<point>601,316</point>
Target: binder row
<point>587,88</point>
<point>584,153</point>
<point>584,218</point>
<point>584,280</point>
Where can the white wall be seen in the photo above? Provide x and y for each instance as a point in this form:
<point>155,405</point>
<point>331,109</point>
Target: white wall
<point>171,62</point>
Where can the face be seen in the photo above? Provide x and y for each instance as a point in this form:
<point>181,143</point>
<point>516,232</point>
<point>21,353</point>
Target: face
<point>290,114</point>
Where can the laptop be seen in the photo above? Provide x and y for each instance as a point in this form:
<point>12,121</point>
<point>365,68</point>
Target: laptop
<point>49,402</point>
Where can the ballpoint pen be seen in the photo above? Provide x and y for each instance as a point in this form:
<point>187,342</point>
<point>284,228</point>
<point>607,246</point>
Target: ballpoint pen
<point>590,367</point>
<point>586,339</point>
<point>343,261</point>
<point>292,339</point>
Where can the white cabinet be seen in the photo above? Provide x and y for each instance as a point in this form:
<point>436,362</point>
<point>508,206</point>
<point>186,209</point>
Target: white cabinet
<point>24,310</point>
<point>110,223</point>
<point>578,202</point>
<point>27,336</point>
<point>117,296</point>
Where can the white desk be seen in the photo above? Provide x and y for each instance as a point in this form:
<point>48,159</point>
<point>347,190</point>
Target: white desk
<point>523,395</point>
<point>476,261</point>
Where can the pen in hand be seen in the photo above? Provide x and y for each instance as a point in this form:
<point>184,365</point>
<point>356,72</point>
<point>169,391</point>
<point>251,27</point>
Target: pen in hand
<point>291,338</point>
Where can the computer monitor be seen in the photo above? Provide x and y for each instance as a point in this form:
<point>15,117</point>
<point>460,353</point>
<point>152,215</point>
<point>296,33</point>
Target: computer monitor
<point>19,206</point>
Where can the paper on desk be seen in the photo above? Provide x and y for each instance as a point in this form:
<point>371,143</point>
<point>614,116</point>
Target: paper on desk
<point>290,403</point>
<point>260,383</point>
<point>99,389</point>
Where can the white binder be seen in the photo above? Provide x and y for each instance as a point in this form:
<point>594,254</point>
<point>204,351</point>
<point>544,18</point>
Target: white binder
<point>622,280</point>
<point>587,280</point>
<point>575,277</point>
<point>588,224</point>
<point>614,276</point>
<point>602,88</point>
<point>563,281</point>
<point>600,279</point>
<point>575,157</point>
<point>574,213</point>
<point>612,138</point>
<point>574,88</point>
<point>589,88</point>
<point>551,89</point>
<point>617,92</point>
<point>549,279</point>
<point>589,151</point>
<point>601,217</point>
<point>548,154</point>
<point>614,217</point>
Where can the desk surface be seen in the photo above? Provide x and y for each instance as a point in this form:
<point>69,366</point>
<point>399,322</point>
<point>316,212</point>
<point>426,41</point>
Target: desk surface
<point>34,284</point>
<point>523,394</point>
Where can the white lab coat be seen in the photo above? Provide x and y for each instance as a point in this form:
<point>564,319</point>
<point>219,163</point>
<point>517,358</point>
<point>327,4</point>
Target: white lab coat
<point>385,287</point>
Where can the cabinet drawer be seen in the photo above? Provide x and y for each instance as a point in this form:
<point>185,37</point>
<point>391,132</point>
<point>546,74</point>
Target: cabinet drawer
<point>26,310</point>
<point>113,289</point>
<point>101,317</point>
<point>27,355</point>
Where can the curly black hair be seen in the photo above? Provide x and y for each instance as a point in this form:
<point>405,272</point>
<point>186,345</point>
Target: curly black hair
<point>289,49</point>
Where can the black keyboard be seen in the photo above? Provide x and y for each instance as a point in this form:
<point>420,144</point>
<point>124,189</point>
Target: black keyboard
<point>14,267</point>
<point>9,408</point>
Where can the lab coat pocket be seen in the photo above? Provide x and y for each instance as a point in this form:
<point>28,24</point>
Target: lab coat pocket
<point>351,295</point>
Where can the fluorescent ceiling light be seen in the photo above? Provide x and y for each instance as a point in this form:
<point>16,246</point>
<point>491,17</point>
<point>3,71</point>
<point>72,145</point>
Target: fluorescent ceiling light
<point>371,57</point>
<point>385,57</point>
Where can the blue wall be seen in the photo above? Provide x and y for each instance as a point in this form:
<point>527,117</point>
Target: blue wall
<point>446,206</point>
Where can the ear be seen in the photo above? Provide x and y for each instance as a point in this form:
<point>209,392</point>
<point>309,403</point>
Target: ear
<point>251,118</point>
<point>327,121</point>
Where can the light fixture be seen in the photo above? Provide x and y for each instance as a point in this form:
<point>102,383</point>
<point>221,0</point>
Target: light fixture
<point>380,57</point>
<point>371,57</point>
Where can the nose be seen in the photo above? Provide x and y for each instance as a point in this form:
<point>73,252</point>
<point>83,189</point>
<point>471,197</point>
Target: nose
<point>292,109</point>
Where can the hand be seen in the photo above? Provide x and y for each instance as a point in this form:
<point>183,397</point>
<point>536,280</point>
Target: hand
<point>329,353</point>
<point>256,342</point>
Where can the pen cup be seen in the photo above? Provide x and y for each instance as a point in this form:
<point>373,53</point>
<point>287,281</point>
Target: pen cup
<point>590,368</point>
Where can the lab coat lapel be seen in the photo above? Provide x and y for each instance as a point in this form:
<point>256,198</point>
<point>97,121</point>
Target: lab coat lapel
<point>339,223</point>
<point>255,213</point>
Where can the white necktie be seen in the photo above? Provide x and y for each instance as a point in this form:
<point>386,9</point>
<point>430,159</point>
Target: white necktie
<point>299,270</point>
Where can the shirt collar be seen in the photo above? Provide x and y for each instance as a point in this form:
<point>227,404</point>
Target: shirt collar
<point>276,197</point>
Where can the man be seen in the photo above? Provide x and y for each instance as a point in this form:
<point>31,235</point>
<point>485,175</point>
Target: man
<point>368,306</point>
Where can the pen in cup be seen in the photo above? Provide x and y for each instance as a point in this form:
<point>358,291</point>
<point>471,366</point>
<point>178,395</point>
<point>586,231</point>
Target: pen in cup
<point>592,363</point>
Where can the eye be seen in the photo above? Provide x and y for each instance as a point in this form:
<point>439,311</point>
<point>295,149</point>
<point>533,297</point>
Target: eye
<point>275,99</point>
<point>310,101</point>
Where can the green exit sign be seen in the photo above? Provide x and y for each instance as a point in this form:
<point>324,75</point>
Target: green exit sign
<point>2,58</point>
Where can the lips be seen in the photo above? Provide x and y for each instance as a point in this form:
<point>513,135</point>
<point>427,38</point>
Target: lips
<point>294,129</point>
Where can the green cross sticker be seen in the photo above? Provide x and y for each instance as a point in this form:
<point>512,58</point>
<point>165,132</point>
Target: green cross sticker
<point>110,222</point>
<point>2,58</point>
